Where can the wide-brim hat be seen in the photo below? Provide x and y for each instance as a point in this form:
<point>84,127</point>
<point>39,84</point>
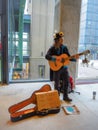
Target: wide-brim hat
<point>58,35</point>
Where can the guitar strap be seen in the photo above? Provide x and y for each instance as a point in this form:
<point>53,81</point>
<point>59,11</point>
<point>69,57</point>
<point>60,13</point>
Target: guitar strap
<point>63,49</point>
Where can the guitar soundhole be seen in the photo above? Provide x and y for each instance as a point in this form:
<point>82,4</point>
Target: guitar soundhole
<point>55,63</point>
<point>63,60</point>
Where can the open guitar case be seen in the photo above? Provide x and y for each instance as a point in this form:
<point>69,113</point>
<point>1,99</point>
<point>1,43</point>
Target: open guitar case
<point>16,114</point>
<point>34,113</point>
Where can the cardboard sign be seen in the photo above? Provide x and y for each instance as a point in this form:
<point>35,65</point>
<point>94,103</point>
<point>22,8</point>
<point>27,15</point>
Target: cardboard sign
<point>47,100</point>
<point>69,110</point>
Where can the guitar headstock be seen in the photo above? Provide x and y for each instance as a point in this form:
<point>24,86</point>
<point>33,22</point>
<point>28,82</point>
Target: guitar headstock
<point>86,52</point>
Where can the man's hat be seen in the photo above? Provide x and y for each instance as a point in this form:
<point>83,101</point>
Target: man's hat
<point>58,35</point>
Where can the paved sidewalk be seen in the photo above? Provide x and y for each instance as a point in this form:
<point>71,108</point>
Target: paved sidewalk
<point>88,72</point>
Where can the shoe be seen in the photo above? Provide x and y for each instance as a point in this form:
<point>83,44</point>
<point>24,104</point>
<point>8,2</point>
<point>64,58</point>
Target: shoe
<point>67,99</point>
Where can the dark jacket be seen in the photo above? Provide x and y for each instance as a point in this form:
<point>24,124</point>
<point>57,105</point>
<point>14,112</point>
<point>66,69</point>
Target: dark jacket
<point>53,51</point>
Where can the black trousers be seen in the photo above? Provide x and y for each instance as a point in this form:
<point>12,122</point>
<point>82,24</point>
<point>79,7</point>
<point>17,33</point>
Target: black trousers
<point>64,75</point>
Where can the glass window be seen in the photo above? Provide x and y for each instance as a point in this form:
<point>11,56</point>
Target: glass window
<point>90,7</point>
<point>90,41</point>
<point>97,26</point>
<point>29,31</point>
<point>95,2</point>
<point>90,2</point>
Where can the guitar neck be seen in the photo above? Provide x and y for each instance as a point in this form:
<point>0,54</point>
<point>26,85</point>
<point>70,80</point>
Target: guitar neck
<point>74,56</point>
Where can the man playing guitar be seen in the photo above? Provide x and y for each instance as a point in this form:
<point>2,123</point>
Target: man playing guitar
<point>60,71</point>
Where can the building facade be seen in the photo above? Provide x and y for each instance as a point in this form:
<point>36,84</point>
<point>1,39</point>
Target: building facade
<point>89,27</point>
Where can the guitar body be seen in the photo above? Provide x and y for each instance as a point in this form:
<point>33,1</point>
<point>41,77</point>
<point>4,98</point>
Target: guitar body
<point>56,65</point>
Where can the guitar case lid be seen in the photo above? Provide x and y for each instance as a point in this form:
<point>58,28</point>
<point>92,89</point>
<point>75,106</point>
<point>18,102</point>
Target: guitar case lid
<point>47,100</point>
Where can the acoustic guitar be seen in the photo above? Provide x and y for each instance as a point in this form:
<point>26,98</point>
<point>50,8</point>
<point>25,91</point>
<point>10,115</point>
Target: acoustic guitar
<point>64,60</point>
